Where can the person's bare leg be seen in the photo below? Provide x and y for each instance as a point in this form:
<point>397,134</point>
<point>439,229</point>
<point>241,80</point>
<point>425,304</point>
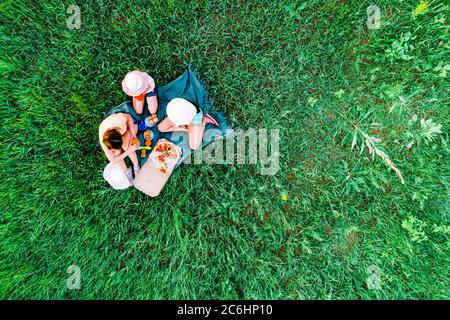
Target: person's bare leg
<point>167,126</point>
<point>134,160</point>
<point>195,135</point>
<point>138,105</point>
<point>152,103</point>
<point>122,165</point>
<point>126,140</point>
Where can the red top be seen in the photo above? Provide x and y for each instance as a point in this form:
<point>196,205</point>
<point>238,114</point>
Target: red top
<point>140,97</point>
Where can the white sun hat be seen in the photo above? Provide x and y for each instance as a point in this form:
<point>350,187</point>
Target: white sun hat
<point>116,177</point>
<point>135,83</point>
<point>180,111</point>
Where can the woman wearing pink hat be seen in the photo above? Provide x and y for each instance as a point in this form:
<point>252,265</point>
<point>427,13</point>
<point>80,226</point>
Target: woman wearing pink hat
<point>141,86</point>
<point>183,115</point>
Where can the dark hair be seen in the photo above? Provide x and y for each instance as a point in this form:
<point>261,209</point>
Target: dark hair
<point>112,139</point>
<point>195,105</point>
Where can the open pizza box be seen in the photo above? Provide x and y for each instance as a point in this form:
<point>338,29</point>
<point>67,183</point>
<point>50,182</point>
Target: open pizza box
<point>157,169</point>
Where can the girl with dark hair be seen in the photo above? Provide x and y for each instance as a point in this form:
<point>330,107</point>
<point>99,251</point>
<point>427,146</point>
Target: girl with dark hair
<point>116,135</point>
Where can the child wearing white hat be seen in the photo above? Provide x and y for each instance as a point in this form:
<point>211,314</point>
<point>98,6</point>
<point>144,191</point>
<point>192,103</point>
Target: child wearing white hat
<point>182,115</point>
<point>141,87</point>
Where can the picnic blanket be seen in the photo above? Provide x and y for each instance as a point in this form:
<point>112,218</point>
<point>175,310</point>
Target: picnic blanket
<point>187,86</point>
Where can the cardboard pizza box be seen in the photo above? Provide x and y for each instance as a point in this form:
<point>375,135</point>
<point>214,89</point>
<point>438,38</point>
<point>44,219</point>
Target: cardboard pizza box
<point>157,169</point>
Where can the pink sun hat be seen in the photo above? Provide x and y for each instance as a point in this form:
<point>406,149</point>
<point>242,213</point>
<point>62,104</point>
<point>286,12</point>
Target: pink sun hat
<point>137,82</point>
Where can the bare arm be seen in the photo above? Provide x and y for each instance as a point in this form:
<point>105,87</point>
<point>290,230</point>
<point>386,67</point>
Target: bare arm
<point>131,126</point>
<point>124,154</point>
<point>114,159</point>
<point>108,153</point>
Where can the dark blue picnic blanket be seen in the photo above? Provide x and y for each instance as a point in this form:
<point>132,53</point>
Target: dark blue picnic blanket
<point>189,87</point>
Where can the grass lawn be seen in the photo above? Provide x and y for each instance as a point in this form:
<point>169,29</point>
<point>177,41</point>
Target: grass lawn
<point>331,218</point>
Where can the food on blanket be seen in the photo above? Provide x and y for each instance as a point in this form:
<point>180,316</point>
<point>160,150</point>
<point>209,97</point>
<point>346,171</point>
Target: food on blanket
<point>163,169</point>
<point>165,156</point>
<point>143,153</point>
<point>153,175</point>
<point>161,159</point>
<point>151,120</point>
<point>148,143</point>
<point>154,118</point>
<point>147,135</point>
<point>167,150</point>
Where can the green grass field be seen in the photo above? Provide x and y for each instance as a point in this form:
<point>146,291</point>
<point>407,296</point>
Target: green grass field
<point>329,220</point>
